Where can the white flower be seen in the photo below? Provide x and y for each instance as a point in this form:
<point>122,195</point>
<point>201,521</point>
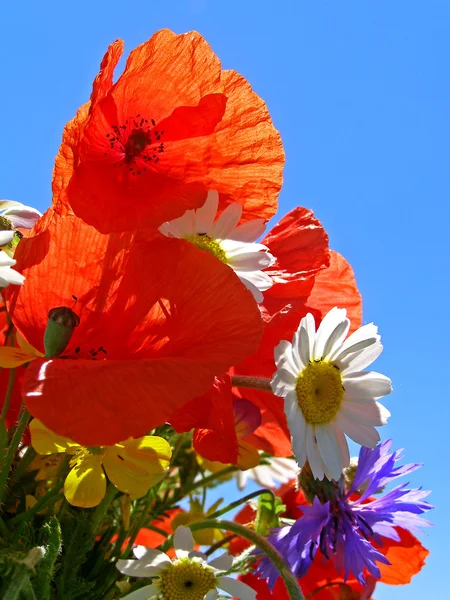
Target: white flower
<point>188,577</point>
<point>231,243</point>
<point>18,214</point>
<point>280,470</point>
<point>8,275</point>
<point>327,394</point>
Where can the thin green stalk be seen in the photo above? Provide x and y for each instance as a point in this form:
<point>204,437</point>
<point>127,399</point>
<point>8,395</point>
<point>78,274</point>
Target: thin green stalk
<point>8,461</point>
<point>219,544</point>
<point>9,391</point>
<point>17,583</point>
<point>102,508</point>
<point>263,544</point>
<point>237,503</point>
<point>25,462</point>
<point>210,478</point>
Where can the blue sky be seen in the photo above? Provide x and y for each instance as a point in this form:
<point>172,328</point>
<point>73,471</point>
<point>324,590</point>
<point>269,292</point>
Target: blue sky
<point>360,93</point>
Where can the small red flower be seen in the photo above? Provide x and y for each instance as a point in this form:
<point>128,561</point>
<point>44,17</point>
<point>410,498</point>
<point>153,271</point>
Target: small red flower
<point>222,423</point>
<point>158,319</point>
<point>174,125</point>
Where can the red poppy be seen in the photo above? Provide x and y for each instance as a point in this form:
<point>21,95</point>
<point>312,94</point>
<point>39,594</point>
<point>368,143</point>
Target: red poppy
<point>173,126</point>
<point>159,317</point>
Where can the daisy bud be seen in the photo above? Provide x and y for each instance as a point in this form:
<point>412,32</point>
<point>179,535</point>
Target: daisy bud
<point>60,327</point>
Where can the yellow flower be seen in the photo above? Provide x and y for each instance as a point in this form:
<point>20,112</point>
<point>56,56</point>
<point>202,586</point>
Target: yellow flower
<point>11,357</point>
<point>133,466</point>
<point>204,537</point>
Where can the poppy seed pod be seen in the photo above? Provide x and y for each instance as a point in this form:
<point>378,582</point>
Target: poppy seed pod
<point>60,327</point>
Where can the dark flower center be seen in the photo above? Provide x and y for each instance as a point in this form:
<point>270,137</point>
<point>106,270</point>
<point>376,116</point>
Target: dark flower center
<point>136,143</point>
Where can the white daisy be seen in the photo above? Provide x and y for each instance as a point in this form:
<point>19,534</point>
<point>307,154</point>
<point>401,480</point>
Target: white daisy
<point>279,470</point>
<point>327,394</point>
<point>7,275</point>
<point>188,577</point>
<point>232,244</point>
<point>14,215</point>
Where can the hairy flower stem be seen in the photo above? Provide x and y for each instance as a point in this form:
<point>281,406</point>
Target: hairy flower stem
<point>9,391</point>
<point>10,455</point>
<point>263,544</point>
<point>248,381</point>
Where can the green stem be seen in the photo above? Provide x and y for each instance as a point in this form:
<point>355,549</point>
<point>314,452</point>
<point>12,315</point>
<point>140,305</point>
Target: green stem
<point>237,503</point>
<point>18,583</point>
<point>8,461</point>
<point>9,391</point>
<point>210,478</point>
<point>263,544</point>
<point>25,462</point>
<point>102,508</point>
<point>219,544</point>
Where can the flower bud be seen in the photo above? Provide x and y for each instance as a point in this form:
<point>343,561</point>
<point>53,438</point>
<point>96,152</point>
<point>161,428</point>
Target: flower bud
<point>60,327</point>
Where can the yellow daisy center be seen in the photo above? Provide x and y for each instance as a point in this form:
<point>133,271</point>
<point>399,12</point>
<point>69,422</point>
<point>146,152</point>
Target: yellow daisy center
<point>186,580</point>
<point>206,243</point>
<point>319,392</point>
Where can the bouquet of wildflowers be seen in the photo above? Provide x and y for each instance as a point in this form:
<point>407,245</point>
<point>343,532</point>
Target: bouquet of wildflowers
<point>158,342</point>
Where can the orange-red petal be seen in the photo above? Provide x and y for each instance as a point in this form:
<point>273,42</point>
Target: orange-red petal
<point>166,317</point>
<point>300,245</point>
<point>407,557</point>
<point>216,133</point>
<point>336,286</point>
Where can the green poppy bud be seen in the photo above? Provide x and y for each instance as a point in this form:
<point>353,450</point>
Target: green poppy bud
<point>60,327</point>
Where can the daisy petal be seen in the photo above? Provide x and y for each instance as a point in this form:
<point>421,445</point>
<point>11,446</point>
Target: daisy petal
<point>360,360</point>
<point>206,214</point>
<point>361,434</point>
<point>144,593</point>
<point>223,562</point>
<point>183,541</point>
<point>329,450</point>
<point>154,558</point>
<point>366,384</point>
<point>366,412</point>
<point>136,568</point>
<point>312,452</point>
<point>329,323</point>
<point>227,221</point>
<point>249,232</point>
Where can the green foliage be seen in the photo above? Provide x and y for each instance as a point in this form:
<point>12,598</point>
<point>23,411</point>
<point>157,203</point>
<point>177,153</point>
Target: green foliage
<point>268,513</point>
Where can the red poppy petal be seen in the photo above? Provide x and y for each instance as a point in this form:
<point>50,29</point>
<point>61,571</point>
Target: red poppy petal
<point>173,94</point>
<point>336,286</point>
<point>300,245</point>
<point>407,557</point>
<point>166,315</point>
<point>212,416</point>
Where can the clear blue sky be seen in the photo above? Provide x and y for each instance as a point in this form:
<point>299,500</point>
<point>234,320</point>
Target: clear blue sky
<point>360,92</point>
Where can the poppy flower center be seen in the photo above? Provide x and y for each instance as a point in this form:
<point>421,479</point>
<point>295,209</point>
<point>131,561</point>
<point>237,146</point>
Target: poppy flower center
<point>186,580</point>
<point>319,392</point>
<point>137,142</point>
<point>202,241</point>
<point>134,144</point>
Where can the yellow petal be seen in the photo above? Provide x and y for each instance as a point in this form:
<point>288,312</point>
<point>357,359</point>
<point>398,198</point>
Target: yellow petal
<point>135,466</point>
<point>26,347</point>
<point>248,456</point>
<point>44,441</point>
<point>85,485</point>
<point>14,357</point>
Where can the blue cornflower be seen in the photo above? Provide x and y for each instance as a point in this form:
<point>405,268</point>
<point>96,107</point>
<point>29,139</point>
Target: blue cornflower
<point>343,528</point>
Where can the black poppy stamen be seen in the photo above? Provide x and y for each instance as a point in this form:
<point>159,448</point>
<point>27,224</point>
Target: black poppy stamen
<point>136,140</point>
